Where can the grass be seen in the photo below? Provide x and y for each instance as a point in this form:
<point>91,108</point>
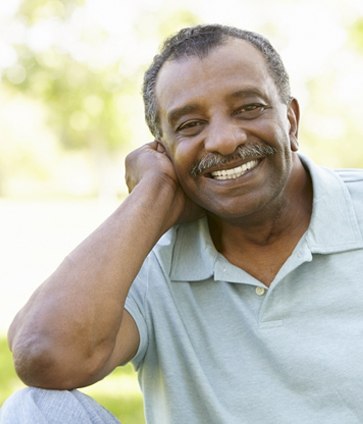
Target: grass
<point>119,392</point>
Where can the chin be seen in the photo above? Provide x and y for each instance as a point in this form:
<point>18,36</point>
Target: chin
<point>240,212</point>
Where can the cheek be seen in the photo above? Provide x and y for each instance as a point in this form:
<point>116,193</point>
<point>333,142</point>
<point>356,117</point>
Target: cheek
<point>177,156</point>
<point>282,139</point>
<point>183,157</point>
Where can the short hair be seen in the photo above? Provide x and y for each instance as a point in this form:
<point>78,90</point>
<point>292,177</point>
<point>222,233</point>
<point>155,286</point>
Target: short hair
<point>198,41</point>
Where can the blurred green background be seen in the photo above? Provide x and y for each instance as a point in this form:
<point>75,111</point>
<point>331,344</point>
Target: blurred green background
<point>71,108</point>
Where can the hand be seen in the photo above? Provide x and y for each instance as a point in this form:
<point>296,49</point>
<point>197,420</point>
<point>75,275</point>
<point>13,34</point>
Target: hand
<point>150,164</point>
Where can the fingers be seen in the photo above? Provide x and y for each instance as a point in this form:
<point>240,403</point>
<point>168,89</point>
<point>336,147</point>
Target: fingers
<point>151,157</point>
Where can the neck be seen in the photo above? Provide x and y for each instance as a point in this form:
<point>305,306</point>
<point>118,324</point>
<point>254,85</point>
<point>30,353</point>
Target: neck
<point>268,236</point>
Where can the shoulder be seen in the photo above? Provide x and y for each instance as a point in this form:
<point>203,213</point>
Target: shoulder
<point>352,178</point>
<point>340,188</point>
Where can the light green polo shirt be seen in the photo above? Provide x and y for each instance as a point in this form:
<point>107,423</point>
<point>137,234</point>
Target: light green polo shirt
<point>218,347</point>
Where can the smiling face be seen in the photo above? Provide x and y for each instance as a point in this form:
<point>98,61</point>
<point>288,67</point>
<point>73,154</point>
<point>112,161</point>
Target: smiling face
<point>226,130</point>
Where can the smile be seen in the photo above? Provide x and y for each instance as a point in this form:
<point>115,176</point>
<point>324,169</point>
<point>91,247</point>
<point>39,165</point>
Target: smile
<point>233,173</point>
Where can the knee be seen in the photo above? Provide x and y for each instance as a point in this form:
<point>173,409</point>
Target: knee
<point>43,406</point>
<point>30,405</point>
<point>12,409</point>
<point>30,395</point>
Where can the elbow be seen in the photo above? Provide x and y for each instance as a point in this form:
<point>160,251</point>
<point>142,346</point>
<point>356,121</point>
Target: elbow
<point>39,363</point>
<point>36,365</point>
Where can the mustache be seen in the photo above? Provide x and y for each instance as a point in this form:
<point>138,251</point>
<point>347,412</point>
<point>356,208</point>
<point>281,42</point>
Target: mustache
<point>245,152</point>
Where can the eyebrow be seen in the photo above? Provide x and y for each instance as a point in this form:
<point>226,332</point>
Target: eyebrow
<point>241,94</point>
<point>177,113</point>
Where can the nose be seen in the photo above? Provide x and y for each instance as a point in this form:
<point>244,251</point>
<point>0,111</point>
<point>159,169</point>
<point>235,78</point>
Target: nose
<point>224,136</point>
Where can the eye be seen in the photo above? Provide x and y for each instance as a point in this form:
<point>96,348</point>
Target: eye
<point>252,110</point>
<point>191,127</point>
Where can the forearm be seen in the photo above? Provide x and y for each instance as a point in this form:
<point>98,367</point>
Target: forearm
<point>74,317</point>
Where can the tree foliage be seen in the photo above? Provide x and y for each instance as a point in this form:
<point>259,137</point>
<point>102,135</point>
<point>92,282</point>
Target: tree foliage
<point>60,63</point>
<point>82,102</point>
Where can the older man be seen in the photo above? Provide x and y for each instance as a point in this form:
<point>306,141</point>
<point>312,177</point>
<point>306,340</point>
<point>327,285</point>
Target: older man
<point>231,275</point>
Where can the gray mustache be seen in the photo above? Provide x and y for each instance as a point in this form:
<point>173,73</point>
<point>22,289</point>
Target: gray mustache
<point>245,152</point>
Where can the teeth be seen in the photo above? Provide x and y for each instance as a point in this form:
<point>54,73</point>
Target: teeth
<point>227,174</point>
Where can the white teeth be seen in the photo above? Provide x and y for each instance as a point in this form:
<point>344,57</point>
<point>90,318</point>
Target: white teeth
<point>227,174</point>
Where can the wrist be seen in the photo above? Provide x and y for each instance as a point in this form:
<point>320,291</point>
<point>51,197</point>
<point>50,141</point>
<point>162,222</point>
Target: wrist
<point>158,202</point>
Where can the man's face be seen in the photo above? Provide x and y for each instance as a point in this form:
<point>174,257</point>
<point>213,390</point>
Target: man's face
<point>215,105</point>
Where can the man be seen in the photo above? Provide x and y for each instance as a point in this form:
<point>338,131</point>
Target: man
<point>230,276</point>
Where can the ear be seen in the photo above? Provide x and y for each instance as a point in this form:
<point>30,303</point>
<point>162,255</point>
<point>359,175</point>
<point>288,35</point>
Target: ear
<point>293,115</point>
<point>163,147</point>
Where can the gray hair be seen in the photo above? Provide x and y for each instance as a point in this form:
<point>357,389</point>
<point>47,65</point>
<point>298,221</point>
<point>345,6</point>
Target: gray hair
<point>199,41</point>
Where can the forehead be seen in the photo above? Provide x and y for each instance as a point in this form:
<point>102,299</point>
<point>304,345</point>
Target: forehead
<point>235,65</point>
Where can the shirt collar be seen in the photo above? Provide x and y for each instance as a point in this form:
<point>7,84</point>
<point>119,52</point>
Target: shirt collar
<point>334,225</point>
<point>194,253</point>
<point>333,228</point>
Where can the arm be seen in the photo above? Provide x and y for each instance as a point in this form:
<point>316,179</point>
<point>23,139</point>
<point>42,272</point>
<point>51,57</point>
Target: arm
<point>73,331</point>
